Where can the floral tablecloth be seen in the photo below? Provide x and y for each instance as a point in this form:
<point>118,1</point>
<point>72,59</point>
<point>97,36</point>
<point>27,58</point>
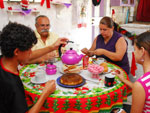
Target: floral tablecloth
<point>92,97</point>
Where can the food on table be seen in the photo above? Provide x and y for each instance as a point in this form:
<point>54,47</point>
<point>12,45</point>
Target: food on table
<point>95,69</point>
<point>104,64</point>
<point>71,68</point>
<point>71,79</point>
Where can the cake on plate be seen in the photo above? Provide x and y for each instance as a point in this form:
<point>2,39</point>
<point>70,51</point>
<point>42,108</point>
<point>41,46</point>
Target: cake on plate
<point>71,79</point>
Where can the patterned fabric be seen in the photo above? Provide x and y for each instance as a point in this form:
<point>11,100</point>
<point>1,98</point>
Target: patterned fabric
<point>145,82</point>
<point>123,31</point>
<point>110,46</point>
<point>89,98</point>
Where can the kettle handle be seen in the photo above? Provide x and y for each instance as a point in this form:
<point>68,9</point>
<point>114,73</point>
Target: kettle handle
<point>59,49</point>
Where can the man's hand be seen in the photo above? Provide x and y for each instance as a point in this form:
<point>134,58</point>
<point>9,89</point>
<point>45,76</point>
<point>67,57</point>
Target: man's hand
<point>49,88</point>
<point>60,41</point>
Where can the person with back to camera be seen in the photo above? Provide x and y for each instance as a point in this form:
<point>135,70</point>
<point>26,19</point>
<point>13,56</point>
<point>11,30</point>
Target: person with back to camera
<point>110,45</point>
<point>141,88</point>
<point>16,41</point>
<point>44,38</point>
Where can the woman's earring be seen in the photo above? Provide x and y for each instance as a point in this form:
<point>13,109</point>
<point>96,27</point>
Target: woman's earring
<point>142,60</point>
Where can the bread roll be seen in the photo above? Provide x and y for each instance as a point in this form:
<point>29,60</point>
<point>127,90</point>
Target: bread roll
<point>104,64</point>
<point>71,68</point>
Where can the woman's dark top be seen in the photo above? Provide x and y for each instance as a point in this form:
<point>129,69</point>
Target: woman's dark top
<point>12,95</point>
<point>110,46</point>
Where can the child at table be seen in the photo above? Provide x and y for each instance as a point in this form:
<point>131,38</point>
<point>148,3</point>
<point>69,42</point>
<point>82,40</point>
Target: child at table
<point>141,88</point>
<point>16,41</point>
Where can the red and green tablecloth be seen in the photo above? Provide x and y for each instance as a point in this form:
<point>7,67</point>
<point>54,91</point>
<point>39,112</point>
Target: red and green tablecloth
<point>86,99</point>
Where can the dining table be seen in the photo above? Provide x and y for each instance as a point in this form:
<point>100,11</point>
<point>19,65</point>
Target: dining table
<point>92,96</point>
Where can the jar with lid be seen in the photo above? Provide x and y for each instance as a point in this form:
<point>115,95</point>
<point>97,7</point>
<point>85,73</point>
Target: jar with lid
<point>51,69</point>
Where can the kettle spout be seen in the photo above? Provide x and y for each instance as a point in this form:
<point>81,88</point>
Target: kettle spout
<point>81,56</point>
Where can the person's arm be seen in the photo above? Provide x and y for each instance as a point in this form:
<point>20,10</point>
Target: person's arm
<point>40,52</point>
<point>120,74</point>
<point>43,58</point>
<point>138,98</point>
<point>121,47</point>
<point>49,88</point>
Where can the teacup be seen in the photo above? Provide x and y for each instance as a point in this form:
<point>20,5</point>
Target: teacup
<point>100,60</point>
<point>109,80</point>
<point>40,76</point>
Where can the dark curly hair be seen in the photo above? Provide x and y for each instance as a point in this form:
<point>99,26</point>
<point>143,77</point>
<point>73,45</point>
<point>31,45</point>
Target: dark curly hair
<point>14,36</point>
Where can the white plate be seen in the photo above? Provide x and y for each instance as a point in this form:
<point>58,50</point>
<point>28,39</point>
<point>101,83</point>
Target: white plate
<point>88,76</point>
<point>80,63</point>
<point>36,82</point>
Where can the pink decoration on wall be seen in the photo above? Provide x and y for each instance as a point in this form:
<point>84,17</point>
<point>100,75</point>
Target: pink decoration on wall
<point>67,5</point>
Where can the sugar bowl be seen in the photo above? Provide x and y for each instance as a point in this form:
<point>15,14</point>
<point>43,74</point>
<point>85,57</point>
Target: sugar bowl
<point>51,69</point>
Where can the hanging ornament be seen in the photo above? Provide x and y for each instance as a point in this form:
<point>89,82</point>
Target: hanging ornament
<point>67,4</point>
<point>113,15</point>
<point>133,65</point>
<point>96,2</point>
<point>1,4</point>
<point>47,3</point>
<point>24,4</point>
<point>82,19</point>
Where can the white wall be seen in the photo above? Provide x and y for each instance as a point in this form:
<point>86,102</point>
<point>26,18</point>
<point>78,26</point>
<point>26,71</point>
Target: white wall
<point>29,20</point>
<point>61,20</point>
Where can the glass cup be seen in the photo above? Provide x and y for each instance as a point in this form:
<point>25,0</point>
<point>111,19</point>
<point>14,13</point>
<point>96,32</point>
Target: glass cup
<point>100,60</point>
<point>40,75</point>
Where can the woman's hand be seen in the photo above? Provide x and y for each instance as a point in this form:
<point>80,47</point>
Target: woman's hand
<point>98,52</point>
<point>85,51</point>
<point>120,74</point>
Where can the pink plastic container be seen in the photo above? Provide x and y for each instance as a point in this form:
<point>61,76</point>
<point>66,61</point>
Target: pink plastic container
<point>51,69</point>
